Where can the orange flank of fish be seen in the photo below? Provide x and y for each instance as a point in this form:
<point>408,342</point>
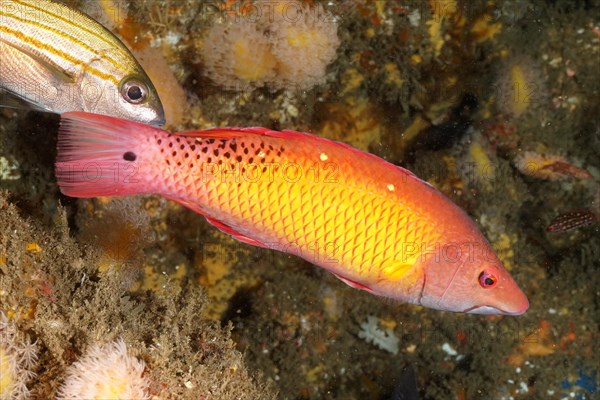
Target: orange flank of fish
<point>375,226</point>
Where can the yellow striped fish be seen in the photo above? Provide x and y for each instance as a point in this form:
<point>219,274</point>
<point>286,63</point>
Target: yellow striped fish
<point>58,59</point>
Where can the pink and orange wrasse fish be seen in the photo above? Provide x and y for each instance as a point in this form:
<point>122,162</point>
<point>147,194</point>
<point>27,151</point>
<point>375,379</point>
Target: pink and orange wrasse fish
<point>374,225</point>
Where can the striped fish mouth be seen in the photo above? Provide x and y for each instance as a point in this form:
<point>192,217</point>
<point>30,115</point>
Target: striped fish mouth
<point>159,121</point>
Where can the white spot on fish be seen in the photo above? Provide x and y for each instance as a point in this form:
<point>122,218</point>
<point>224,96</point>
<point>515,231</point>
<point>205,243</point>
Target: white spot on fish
<point>261,154</point>
<point>323,157</point>
<point>391,187</point>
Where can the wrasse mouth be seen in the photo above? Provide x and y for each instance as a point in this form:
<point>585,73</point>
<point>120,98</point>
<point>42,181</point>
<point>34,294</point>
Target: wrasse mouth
<point>489,310</point>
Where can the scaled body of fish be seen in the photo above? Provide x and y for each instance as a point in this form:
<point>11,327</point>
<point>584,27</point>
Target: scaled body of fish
<point>374,225</point>
<point>55,58</point>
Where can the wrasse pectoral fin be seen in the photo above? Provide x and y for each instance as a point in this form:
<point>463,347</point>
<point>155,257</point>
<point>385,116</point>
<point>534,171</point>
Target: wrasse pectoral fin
<point>218,224</point>
<point>230,231</point>
<point>187,204</point>
<point>352,283</point>
<point>400,269</point>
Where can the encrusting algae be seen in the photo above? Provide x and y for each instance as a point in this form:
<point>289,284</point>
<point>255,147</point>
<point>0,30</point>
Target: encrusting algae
<point>87,308</point>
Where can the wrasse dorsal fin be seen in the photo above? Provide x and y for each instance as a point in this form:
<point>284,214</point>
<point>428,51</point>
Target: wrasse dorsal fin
<point>231,133</point>
<point>60,74</point>
<point>223,133</point>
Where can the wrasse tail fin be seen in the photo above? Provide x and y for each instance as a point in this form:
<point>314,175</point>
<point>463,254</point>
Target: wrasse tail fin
<point>97,155</point>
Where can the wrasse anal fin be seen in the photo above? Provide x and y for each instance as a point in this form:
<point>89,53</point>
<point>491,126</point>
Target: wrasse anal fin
<point>352,283</point>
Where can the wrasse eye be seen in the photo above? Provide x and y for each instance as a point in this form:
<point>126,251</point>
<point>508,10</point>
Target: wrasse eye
<point>134,91</point>
<point>487,280</point>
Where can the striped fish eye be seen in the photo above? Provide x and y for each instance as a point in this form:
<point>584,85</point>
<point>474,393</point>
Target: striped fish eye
<point>487,280</point>
<point>134,91</point>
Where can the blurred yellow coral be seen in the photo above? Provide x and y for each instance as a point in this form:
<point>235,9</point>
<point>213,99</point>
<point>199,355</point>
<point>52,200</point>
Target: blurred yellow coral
<point>278,46</point>
<point>355,121</point>
<point>484,170</point>
<point>519,86</point>
<point>7,376</point>
<point>218,276</point>
<point>483,29</point>
<point>34,247</point>
<point>236,55</point>
<point>504,246</point>
<point>441,10</point>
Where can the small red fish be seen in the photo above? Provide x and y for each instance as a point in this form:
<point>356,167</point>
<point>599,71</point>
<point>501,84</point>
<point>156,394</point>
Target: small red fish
<point>566,169</point>
<point>375,226</point>
<point>572,220</point>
